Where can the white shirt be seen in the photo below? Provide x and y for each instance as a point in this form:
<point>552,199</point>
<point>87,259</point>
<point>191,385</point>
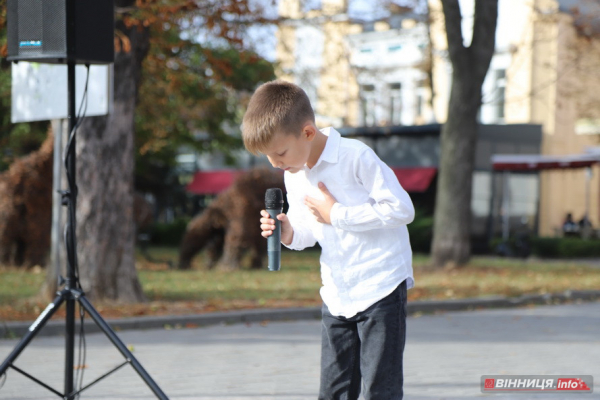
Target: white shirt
<point>366,251</point>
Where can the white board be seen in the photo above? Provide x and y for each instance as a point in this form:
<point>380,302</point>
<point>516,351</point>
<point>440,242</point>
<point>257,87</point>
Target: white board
<point>39,91</point>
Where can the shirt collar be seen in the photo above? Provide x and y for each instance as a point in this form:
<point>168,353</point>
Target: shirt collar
<point>332,146</point>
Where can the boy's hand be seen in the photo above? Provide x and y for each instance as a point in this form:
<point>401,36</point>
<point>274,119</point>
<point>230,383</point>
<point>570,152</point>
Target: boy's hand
<point>267,225</point>
<point>321,209</point>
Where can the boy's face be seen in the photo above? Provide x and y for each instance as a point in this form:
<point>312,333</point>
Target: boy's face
<point>290,152</point>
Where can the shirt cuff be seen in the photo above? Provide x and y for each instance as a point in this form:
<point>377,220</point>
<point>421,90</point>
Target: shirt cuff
<point>294,245</point>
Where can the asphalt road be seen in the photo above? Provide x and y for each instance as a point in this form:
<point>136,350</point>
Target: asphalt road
<point>445,357</point>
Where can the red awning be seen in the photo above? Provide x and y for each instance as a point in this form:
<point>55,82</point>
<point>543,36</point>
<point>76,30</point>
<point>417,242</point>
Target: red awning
<point>535,162</point>
<point>212,182</point>
<point>415,180</point>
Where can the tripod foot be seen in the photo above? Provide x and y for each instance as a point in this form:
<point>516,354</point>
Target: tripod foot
<point>112,336</point>
<point>3,378</point>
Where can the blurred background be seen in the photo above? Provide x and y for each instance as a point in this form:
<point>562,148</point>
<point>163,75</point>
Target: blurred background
<point>379,71</point>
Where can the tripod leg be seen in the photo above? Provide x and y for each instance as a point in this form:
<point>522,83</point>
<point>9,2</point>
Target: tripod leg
<point>69,346</point>
<point>112,336</point>
<point>37,325</point>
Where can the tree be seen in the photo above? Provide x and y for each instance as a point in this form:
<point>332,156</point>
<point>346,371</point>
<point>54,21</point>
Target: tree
<point>106,145</point>
<point>452,219</point>
<point>105,165</point>
<point>195,104</point>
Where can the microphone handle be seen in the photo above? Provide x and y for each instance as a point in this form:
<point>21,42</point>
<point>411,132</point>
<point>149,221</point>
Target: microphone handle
<point>274,242</point>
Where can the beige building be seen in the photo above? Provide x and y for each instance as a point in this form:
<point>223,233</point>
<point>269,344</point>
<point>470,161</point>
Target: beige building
<point>544,72</point>
<point>564,95</point>
<point>356,72</point>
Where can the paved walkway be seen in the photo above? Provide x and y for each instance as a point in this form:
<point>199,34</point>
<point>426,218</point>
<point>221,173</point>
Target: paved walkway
<point>445,357</point>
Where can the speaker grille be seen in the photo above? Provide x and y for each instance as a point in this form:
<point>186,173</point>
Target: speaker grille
<point>55,26</point>
<point>12,25</point>
<point>30,35</point>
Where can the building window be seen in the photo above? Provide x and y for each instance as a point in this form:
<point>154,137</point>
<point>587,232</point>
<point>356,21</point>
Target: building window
<point>395,104</point>
<point>367,99</point>
<point>420,104</point>
<point>309,5</point>
<point>587,126</point>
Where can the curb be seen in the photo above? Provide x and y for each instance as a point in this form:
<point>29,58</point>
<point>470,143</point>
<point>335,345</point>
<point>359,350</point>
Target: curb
<point>12,330</point>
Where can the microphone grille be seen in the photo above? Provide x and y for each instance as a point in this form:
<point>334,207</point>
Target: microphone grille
<point>274,198</point>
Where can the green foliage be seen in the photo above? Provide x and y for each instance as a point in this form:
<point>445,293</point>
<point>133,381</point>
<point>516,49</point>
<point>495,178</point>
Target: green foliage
<point>421,232</point>
<point>168,234</point>
<point>546,247</point>
<point>553,247</point>
<point>192,96</point>
<point>565,247</point>
<point>17,140</point>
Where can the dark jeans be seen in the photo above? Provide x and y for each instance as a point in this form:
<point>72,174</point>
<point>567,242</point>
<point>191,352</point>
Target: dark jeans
<point>369,345</point>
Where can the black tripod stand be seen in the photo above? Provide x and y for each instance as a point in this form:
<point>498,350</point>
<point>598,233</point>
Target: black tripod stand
<point>72,291</point>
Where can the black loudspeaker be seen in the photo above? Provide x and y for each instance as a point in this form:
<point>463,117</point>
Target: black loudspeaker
<point>58,31</point>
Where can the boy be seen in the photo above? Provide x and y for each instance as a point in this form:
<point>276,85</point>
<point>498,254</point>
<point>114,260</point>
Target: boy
<point>343,196</point>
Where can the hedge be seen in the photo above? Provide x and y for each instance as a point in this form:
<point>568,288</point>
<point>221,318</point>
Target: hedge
<point>548,247</point>
<point>168,234</point>
<point>565,247</point>
<point>420,232</point>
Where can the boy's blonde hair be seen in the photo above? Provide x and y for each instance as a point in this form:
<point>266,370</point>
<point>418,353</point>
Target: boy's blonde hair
<point>275,107</point>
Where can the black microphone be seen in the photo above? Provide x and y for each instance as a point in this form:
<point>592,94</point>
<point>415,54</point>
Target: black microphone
<point>274,206</point>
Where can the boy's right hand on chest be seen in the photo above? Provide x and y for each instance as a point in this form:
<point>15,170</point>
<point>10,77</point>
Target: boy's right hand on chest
<point>267,225</point>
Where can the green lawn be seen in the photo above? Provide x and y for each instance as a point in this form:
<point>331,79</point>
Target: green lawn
<point>17,284</point>
<point>298,279</point>
<point>297,284</point>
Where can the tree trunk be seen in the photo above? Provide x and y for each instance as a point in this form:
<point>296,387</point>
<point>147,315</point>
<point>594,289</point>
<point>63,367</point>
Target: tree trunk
<point>105,178</point>
<point>452,219</point>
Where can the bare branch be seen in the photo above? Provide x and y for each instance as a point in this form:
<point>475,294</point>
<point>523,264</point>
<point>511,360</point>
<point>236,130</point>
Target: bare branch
<point>484,35</point>
<point>453,19</point>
